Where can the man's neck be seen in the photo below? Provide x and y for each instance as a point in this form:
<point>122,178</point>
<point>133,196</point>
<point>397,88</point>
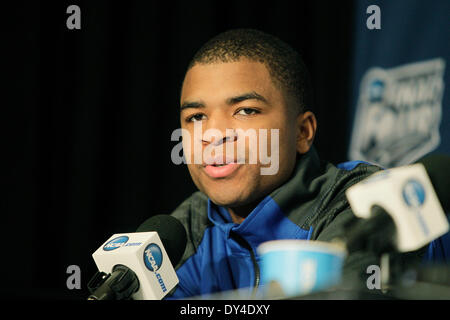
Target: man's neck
<point>238,214</point>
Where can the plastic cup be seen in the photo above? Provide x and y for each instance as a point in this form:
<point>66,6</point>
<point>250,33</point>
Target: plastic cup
<point>299,267</point>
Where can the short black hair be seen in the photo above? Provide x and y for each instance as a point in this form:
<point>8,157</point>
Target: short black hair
<point>285,65</point>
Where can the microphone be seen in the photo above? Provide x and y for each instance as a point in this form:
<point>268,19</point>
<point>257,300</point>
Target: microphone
<point>404,204</point>
<point>364,234</point>
<point>139,265</point>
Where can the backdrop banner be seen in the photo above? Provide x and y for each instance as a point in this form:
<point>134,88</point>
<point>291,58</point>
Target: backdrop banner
<point>400,104</point>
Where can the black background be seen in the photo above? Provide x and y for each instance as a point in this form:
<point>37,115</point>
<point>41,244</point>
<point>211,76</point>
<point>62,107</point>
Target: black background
<point>88,116</point>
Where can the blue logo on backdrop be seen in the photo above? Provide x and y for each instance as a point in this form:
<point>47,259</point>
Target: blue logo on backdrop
<point>376,91</point>
<point>413,193</point>
<point>153,257</point>
<point>115,243</point>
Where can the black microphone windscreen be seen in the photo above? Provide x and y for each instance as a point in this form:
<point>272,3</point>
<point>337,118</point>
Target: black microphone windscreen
<point>376,234</point>
<point>438,169</point>
<point>171,232</point>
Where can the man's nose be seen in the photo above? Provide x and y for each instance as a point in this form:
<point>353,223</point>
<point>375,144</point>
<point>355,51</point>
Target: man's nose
<point>229,135</point>
<point>218,131</point>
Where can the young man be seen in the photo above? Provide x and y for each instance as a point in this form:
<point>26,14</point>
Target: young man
<point>245,80</point>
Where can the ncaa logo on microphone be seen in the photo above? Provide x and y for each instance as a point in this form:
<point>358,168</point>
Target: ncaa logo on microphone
<point>153,257</point>
<point>115,243</point>
<point>413,193</point>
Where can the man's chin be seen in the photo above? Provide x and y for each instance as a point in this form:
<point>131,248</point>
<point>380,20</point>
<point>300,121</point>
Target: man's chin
<point>227,200</point>
<point>224,202</point>
<point>235,199</point>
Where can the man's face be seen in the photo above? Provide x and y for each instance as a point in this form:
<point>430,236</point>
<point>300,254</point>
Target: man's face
<point>236,95</point>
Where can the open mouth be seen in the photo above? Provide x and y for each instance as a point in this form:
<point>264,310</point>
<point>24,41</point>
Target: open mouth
<point>220,170</point>
<point>220,166</point>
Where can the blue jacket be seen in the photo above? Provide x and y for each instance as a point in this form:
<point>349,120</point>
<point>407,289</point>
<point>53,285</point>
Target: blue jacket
<point>221,255</point>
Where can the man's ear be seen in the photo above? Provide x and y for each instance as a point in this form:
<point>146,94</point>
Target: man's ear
<point>307,126</point>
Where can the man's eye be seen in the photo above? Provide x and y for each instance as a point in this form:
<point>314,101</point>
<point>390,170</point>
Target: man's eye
<point>247,111</point>
<point>195,117</point>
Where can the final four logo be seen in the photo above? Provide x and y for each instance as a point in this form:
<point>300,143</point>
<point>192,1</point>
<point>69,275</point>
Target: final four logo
<point>398,113</point>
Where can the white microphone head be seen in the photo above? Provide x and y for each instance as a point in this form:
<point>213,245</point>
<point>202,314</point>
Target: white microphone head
<point>407,194</point>
<point>143,253</point>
